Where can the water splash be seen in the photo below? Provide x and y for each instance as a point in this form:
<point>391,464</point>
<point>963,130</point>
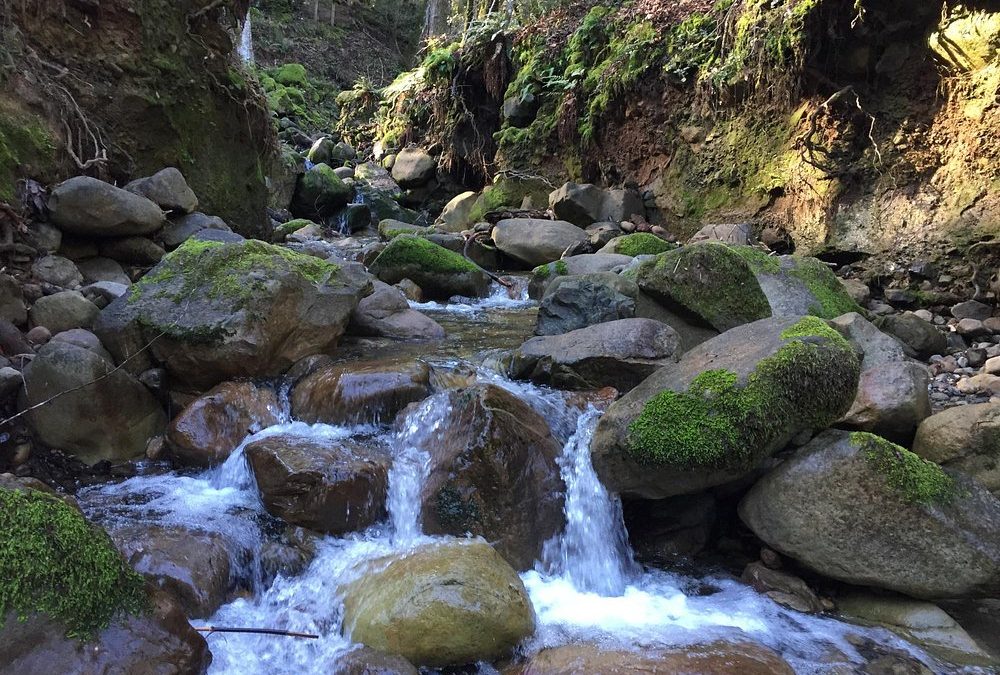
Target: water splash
<point>500,298</point>
<point>245,47</point>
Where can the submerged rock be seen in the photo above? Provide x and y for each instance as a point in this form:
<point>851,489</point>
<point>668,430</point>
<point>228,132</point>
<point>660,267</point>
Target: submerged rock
<point>386,313</point>
<point>534,242</point>
<point>90,207</point>
<point>727,405</point>
<point>439,272</point>
<point>444,604</point>
<point>856,508</point>
<point>717,658</point>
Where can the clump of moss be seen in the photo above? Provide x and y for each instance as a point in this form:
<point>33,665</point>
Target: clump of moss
<point>642,243</point>
<point>719,424</point>
<point>561,268</point>
<point>542,272</point>
<point>916,480</point>
<point>291,226</point>
<point>291,74</point>
<point>831,296</point>
<point>407,249</point>
<point>760,261</point>
<point>53,562</point>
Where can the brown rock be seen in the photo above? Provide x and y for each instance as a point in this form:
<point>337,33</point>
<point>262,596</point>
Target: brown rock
<point>783,588</point>
<point>892,401</point>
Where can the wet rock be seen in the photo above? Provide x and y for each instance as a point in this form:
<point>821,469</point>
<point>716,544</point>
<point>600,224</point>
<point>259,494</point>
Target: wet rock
<point>533,242</point>
<point>192,566</point>
<point>966,439</point>
<point>207,431</point>
<point>63,311</point>
<point>167,189</point>
<point>367,661</point>
<point>413,168</point>
<point>575,302</point>
<point>717,658</point>
<point>738,234</point>
<point>58,271</point>
<point>319,194</point>
<point>861,510</point>
<point>588,263</point>
<point>440,605</point>
<point>707,280</point>
<point>457,213</point>
<point>95,270</point>
<point>892,401</point>
<point>82,338</point>
<point>12,300</point>
<point>440,273</point>
<point>132,251</point>
<point>726,406</point>
<point>179,230</point>
<point>877,347</point>
<point>358,393</point>
<point>110,419</point>
<point>494,474</point>
<point>352,218</point>
<point>327,485</point>
<point>972,309</point>
<point>785,589</point>
<point>619,354</point>
<point>921,339</point>
<point>386,313</point>
<point>89,207</point>
<point>225,311</point>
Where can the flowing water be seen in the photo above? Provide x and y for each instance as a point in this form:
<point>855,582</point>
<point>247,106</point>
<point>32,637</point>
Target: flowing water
<point>586,587</point>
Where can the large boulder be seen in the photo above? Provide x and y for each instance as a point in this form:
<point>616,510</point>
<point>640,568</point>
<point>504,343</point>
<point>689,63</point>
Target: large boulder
<point>444,604</point>
<point>439,272</point>
<point>179,230</point>
<point>457,214</point>
<point>167,189</point>
<point>90,207</point>
<point>107,414</point>
<point>636,244</point>
<point>737,234</point>
<point>387,313</point>
<point>892,401</point>
<point>966,439</point>
<point>220,311</point>
<point>708,281</point>
<point>859,509</point>
<point>618,354</point>
<point>534,242</point>
<point>207,431</point>
<point>587,263</point>
<point>413,168</point>
<point>920,338</point>
<point>493,473</point>
<point>877,347</point>
<point>726,406</point>
<point>330,486</point>
<point>359,393</point>
<point>97,269</point>
<point>320,193</point>
<point>574,302</point>
<point>796,286</point>
<point>585,204</point>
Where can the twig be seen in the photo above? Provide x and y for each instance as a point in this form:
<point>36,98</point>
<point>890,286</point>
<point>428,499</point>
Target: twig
<point>256,631</point>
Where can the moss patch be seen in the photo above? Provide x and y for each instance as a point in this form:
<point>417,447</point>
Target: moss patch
<point>833,300</point>
<point>760,261</point>
<point>916,480</point>
<point>25,148</point>
<point>52,561</point>
<point>719,423</point>
<point>642,243</point>
<point>407,250</point>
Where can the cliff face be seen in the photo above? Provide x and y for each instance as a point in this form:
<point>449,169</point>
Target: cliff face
<point>119,89</point>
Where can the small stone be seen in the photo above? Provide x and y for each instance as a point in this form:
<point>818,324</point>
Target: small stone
<point>63,311</point>
<point>972,309</point>
<point>900,297</point>
<point>993,366</point>
<point>923,269</point>
<point>771,559</point>
<point>155,448</point>
<point>962,362</point>
<point>880,308</point>
<point>925,315</point>
<point>411,290</point>
<point>971,328</point>
<point>992,324</point>
<point>57,271</point>
<point>976,357</point>
<point>39,335</point>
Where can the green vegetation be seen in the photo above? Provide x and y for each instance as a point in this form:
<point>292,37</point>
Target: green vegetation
<point>53,562</point>
<point>25,147</point>
<point>291,226</point>
<point>291,74</point>
<point>761,262</point>
<point>719,424</point>
<point>407,249</point>
<point>916,480</point>
<point>508,193</point>
<point>831,295</point>
<point>642,243</point>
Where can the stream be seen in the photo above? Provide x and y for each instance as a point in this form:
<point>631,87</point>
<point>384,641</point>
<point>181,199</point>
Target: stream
<point>586,587</point>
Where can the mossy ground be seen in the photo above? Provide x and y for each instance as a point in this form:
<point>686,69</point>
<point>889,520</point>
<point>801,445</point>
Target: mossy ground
<point>53,562</point>
<point>407,250</point>
<point>916,480</point>
<point>642,243</point>
<point>722,423</point>
<point>25,147</point>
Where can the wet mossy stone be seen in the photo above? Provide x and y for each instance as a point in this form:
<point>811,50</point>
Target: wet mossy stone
<point>53,562</point>
<point>638,243</point>
<point>439,272</point>
<point>707,281</point>
<point>726,406</point>
<point>291,73</point>
<point>320,193</point>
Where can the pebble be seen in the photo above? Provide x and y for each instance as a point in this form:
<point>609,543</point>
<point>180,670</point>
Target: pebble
<point>925,315</point>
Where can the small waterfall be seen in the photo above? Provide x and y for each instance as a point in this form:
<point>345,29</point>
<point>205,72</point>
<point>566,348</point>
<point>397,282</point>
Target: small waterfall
<point>245,47</point>
<point>593,551</point>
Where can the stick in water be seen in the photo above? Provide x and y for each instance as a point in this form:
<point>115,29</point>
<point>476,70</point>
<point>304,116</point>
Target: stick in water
<point>259,631</point>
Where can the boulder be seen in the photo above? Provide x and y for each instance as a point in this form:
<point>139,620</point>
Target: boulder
<point>588,263</point>
<point>331,486</point>
<point>102,293</point>
<point>972,309</point>
<point>892,401</point>
<point>45,237</point>
<point>132,251</point>
<point>966,439</point>
<point>192,566</point>
<point>167,189</point>
<point>413,168</point>
<point>669,531</point>
<point>586,204</point>
<point>618,354</point>
<point>63,311</point>
<point>12,300</point>
<point>878,348</point>
<point>735,234</point>
<point>493,473</point>
<point>319,194</point>
<point>797,286</point>
<point>207,431</point>
<point>96,270</point>
<point>856,508</point>
<point>222,311</point>
<point>439,272</point>
<point>920,338</point>
<point>179,230</point>
<point>858,290</point>
<point>90,207</point>
<point>534,242</point>
<point>622,205</point>
<point>443,604</point>
<point>387,313</point>
<point>12,341</point>
<point>725,407</point>
<point>636,244</point>
<point>111,419</point>
<point>391,228</point>
<point>359,393</point>
<point>352,218</point>
<point>574,302</point>
<point>85,339</point>
<point>708,281</point>
<point>456,215</point>
<point>58,271</point>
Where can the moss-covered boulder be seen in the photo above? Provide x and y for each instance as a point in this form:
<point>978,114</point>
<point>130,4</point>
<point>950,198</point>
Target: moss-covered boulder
<point>444,604</point>
<point>726,406</point>
<point>857,508</point>
<point>220,311</point>
<point>796,285</point>
<point>320,193</point>
<point>587,263</point>
<point>509,192</point>
<point>638,243</point>
<point>440,273</point>
<point>708,281</point>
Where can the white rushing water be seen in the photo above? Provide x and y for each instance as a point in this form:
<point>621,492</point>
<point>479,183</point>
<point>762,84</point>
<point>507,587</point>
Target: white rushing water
<point>245,47</point>
<point>587,587</point>
<point>499,298</point>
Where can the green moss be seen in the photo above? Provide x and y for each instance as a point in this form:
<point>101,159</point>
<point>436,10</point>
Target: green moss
<point>642,243</point>
<point>291,226</point>
<point>291,74</point>
<point>25,148</point>
<point>542,272</point>
<point>507,193</point>
<point>53,562</point>
<point>831,296</point>
<point>916,480</point>
<point>407,249</point>
<point>811,326</point>
<point>561,268</point>
<point>720,424</point>
<point>761,262</point>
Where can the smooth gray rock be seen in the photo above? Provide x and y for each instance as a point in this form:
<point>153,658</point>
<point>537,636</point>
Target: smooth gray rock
<point>892,401</point>
<point>90,207</point>
<point>63,311</point>
<point>533,242</point>
<point>877,347</point>
<point>386,313</point>
<point>58,271</point>
<point>179,230</point>
<point>964,438</point>
<point>95,270</point>
<point>413,168</point>
<point>166,188</point>
<point>920,338</point>
<point>133,251</point>
<point>588,263</point>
